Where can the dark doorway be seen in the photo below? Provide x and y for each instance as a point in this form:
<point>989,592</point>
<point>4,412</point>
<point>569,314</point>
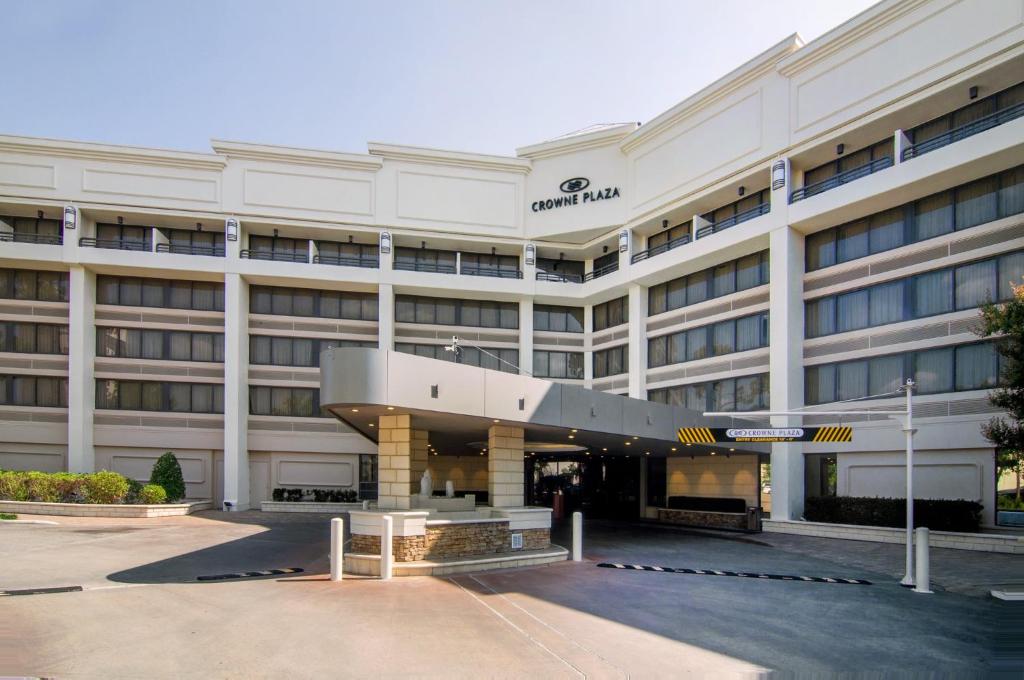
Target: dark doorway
<point>600,487</point>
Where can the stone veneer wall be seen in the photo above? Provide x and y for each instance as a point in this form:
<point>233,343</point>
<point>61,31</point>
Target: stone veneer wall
<point>454,540</point>
<point>698,518</point>
<point>403,548</point>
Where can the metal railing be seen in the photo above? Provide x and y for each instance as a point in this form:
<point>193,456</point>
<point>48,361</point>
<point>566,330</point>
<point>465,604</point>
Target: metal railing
<point>274,257</point>
<point>115,244</point>
<point>601,271</point>
<point>472,270</point>
<point>431,267</point>
<point>210,251</point>
<point>964,131</point>
<point>841,179</point>
<point>20,237</point>
<point>559,278</point>
<point>347,261</point>
<point>659,249</point>
<point>757,211</point>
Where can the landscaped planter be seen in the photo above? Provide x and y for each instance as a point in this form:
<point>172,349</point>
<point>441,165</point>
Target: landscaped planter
<point>103,510</point>
<point>308,506</point>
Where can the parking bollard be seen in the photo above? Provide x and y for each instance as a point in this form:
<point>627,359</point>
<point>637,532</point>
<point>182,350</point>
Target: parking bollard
<point>577,537</point>
<point>337,548</point>
<point>922,577</point>
<point>385,548</point>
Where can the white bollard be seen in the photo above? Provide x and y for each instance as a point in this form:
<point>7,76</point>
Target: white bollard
<point>922,576</point>
<point>385,548</point>
<point>337,547</point>
<point>366,505</point>
<point>577,537</point>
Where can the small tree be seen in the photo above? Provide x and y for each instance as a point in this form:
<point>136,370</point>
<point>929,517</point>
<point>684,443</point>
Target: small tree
<point>167,473</point>
<point>1006,322</point>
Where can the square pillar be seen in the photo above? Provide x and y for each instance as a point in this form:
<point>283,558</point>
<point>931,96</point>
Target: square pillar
<point>418,459</point>
<point>786,328</point>
<point>385,316</point>
<point>588,346</point>
<point>236,391</point>
<point>526,337</point>
<point>505,487</point>
<point>637,350</point>
<point>81,356</point>
<point>396,441</point>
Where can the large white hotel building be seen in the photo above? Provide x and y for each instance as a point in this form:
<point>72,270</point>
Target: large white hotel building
<point>814,227</point>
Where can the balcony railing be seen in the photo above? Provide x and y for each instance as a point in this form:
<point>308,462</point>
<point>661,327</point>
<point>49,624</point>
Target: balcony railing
<point>841,179</point>
<point>344,261</point>
<point>964,131</point>
<point>472,270</point>
<point>659,249</point>
<point>19,237</point>
<point>559,278</point>
<point>601,271</point>
<point>274,257</point>
<point>431,267</point>
<point>115,244</point>
<point>756,211</point>
<point>210,251</point>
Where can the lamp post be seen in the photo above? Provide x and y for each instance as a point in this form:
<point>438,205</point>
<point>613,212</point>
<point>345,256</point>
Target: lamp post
<point>908,429</point>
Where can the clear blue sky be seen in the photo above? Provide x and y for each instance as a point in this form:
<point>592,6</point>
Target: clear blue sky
<point>476,75</point>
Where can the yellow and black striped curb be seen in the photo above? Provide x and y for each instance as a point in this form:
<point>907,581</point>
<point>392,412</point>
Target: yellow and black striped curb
<point>251,574</point>
<point>741,574</point>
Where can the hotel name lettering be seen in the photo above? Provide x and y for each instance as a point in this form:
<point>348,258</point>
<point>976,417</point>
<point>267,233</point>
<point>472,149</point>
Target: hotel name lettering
<point>575,191</point>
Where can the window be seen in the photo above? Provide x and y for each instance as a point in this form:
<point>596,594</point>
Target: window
<point>423,260</point>
<point>278,248</point>
<point>30,390</point>
<point>724,337</point>
<point>294,402</point>
<point>349,254</point>
<point>558,319</point>
<point>606,263</point>
<point>748,393</point>
<point>612,361</point>
<point>855,160</point>
<point>747,272</point>
<point>963,287</point>
<point>450,312</point>
<point>137,343</point>
<point>936,371</point>
<point>198,242</point>
<point>266,350</point>
<point>558,364</point>
<point>124,236</point>
<point>667,236</point>
<point>496,359</point>
<point>984,200</point>
<point>748,207</point>
<point>139,292</point>
<point>504,266</point>
<point>135,395</point>
<point>23,284</point>
<point>611,313</point>
<point>33,338</point>
<point>549,269</point>
<point>34,230</point>
<point>329,304</point>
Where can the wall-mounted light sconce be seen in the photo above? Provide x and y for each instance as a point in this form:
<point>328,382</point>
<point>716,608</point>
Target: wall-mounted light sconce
<point>120,220</point>
<point>39,214</point>
<point>385,242</point>
<point>561,256</point>
<point>840,148</point>
<point>423,245</point>
<point>664,224</point>
<point>493,250</point>
<point>351,238</point>
<point>522,404</point>
<point>531,255</point>
<point>973,92</point>
<point>199,226</point>
<point>433,391</point>
<point>623,241</point>
<point>741,191</point>
<point>70,217</point>
<point>231,228</point>
<point>604,249</point>
<point>778,174</point>
<point>275,233</point>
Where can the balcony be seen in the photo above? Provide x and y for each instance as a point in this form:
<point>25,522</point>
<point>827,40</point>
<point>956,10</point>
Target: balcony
<point>430,267</point>
<point>209,251</point>
<point>601,271</point>
<point>22,237</point>
<point>757,211</point>
<point>659,249</point>
<point>116,244</point>
<point>473,270</point>
<point>841,179</point>
<point>559,278</point>
<point>271,256</point>
<point>964,131</point>
<point>344,261</point>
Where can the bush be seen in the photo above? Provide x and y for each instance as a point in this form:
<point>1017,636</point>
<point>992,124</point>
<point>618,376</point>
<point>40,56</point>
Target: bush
<point>937,515</point>
<point>134,489</point>
<point>277,495</point>
<point>167,473</point>
<point>319,495</point>
<point>8,515</point>
<point>70,487</point>
<point>40,488</point>
<point>1007,502</point>
<point>12,486</point>
<point>106,487</point>
<point>152,494</point>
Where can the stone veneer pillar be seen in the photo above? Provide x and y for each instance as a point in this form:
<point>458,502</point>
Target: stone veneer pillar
<point>401,460</point>
<point>505,466</point>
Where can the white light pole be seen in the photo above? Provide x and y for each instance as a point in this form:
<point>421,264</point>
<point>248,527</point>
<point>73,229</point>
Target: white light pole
<point>908,428</point>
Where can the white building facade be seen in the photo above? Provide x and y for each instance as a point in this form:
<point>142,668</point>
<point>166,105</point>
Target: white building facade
<point>813,228</point>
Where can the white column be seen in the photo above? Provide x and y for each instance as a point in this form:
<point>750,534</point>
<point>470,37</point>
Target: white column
<point>588,346</point>
<point>385,316</point>
<point>81,356</point>
<point>526,336</point>
<point>624,254</point>
<point>236,391</point>
<point>900,142</point>
<point>637,341</point>
<point>786,328</point>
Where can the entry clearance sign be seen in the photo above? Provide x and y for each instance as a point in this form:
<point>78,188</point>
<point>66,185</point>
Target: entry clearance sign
<point>713,435</point>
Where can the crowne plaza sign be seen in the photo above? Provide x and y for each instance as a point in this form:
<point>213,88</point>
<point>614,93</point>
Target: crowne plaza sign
<point>575,191</point>
<point>713,435</point>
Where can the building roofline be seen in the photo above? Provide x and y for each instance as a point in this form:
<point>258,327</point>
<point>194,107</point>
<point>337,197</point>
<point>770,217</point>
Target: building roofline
<point>112,152</point>
<point>292,154</point>
<point>573,143</point>
<point>420,154</point>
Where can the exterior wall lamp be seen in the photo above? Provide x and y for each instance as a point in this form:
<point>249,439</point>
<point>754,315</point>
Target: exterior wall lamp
<point>231,228</point>
<point>70,217</point>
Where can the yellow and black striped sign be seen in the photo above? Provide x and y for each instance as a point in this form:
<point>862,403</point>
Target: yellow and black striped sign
<point>713,435</point>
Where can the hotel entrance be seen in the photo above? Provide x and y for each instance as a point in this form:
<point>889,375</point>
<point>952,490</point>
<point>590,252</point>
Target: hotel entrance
<point>601,487</point>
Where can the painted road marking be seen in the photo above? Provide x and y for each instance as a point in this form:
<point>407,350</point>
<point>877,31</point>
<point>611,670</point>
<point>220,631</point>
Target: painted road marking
<point>42,591</point>
<point>741,574</point>
<point>250,574</point>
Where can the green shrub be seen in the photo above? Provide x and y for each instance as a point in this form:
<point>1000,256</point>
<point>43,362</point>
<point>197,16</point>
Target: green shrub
<point>70,487</point>
<point>8,515</point>
<point>937,515</point>
<point>1007,502</point>
<point>134,489</point>
<point>151,494</point>
<point>41,487</point>
<point>12,486</point>
<point>167,473</point>
<point>106,487</point>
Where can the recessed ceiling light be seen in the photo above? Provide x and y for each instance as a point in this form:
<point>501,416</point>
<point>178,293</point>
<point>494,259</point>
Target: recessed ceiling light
<point>496,420</point>
<point>572,436</point>
<point>628,443</point>
<point>588,452</point>
<point>391,408</point>
<point>732,449</point>
<point>647,453</point>
<point>355,410</point>
<point>636,437</point>
<point>371,425</point>
<point>574,431</point>
<point>673,448</point>
<point>605,448</point>
<point>712,453</point>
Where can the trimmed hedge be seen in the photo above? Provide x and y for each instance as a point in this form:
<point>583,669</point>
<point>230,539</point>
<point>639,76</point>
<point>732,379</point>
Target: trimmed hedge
<point>937,515</point>
<point>315,495</point>
<point>66,487</point>
<point>167,473</point>
<point>152,494</point>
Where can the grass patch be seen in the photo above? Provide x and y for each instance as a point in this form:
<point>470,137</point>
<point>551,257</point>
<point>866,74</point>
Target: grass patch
<point>8,515</point>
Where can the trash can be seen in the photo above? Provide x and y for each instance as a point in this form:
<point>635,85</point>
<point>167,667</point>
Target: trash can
<point>753,519</point>
<point>558,506</point>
